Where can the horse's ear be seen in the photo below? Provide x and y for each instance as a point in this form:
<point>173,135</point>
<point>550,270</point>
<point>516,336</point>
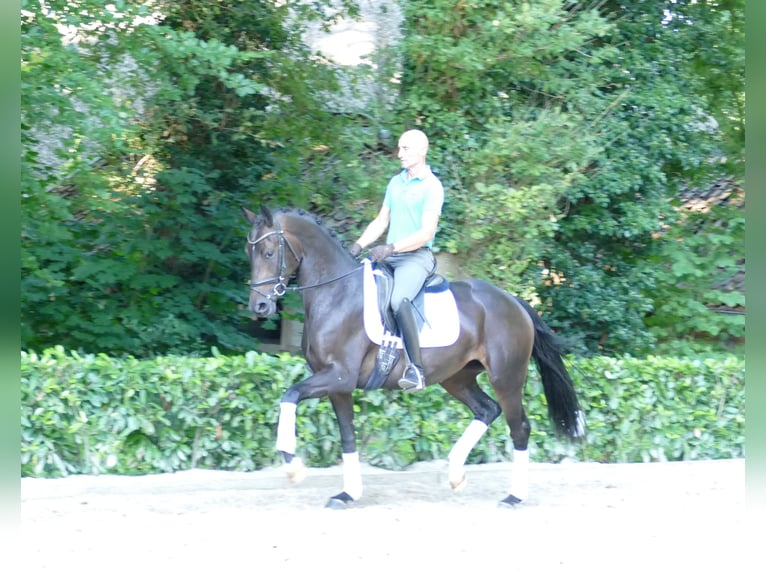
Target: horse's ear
<point>249,215</point>
<point>267,214</point>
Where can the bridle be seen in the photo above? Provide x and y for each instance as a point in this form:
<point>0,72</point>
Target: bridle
<point>280,281</point>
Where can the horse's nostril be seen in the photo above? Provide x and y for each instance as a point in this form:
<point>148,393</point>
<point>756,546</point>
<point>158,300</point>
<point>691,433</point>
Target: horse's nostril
<point>261,308</point>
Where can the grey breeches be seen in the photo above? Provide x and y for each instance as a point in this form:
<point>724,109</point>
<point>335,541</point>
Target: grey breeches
<point>411,269</point>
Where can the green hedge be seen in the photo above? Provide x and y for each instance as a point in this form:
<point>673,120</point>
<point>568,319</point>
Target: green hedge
<point>97,414</point>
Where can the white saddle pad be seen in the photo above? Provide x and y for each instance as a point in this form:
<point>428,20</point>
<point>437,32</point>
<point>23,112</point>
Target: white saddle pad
<point>442,325</point>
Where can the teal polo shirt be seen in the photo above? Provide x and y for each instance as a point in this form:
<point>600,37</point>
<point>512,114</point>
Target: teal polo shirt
<point>408,200</point>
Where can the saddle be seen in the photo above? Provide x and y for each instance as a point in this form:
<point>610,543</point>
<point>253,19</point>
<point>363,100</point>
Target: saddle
<point>384,282</point>
<point>388,354</point>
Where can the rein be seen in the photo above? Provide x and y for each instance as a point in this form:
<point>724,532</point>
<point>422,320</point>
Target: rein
<point>280,281</point>
<point>322,283</point>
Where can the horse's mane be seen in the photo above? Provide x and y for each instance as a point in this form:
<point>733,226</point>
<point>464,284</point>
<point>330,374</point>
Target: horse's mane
<point>312,218</point>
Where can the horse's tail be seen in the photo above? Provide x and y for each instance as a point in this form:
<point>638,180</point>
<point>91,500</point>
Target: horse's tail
<point>563,407</point>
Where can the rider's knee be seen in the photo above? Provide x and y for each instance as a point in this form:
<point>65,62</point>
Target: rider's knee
<point>396,304</point>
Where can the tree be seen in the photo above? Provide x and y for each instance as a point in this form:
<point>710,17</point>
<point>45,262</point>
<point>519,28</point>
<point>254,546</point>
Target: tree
<point>189,111</point>
<point>564,131</point>
<point>657,139</point>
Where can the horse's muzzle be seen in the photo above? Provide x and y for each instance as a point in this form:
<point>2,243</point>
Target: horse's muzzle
<point>261,307</point>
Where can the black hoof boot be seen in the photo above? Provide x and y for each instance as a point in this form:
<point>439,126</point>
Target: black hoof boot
<point>339,501</point>
<point>509,501</point>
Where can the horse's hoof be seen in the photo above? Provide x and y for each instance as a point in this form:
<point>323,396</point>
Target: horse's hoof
<point>509,501</point>
<point>339,501</point>
<point>296,471</point>
<point>459,484</point>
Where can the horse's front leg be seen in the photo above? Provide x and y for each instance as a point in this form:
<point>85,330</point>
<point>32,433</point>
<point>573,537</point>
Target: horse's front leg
<point>343,405</point>
<point>315,386</point>
<point>294,467</point>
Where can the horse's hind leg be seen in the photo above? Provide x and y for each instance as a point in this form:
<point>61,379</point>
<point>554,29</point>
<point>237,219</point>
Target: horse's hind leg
<point>463,386</point>
<point>509,392</point>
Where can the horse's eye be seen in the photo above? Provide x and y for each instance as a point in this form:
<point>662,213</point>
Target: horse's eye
<point>269,254</point>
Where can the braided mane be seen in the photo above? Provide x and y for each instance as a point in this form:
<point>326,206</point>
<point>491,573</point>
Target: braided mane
<point>312,218</point>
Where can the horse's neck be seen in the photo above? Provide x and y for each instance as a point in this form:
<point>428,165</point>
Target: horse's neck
<point>326,272</point>
<point>323,258</point>
<point>322,272</point>
<point>343,296</point>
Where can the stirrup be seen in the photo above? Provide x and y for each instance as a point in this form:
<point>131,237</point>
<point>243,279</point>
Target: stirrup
<point>412,379</point>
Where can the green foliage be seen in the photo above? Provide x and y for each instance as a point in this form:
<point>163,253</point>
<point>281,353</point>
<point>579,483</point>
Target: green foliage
<point>562,152</point>
<point>510,213</point>
<point>717,32</point>
<point>699,257</point>
<point>505,124</point>
<point>84,413</point>
<point>662,408</point>
<point>96,414</point>
<point>593,302</point>
<point>560,130</point>
<point>654,140</point>
<point>203,113</point>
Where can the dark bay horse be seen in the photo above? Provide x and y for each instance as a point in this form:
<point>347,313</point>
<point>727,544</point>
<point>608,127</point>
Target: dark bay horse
<point>499,333</point>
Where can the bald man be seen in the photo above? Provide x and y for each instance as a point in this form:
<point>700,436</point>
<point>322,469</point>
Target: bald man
<point>410,211</point>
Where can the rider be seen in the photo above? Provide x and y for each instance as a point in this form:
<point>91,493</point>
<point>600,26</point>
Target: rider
<point>411,209</point>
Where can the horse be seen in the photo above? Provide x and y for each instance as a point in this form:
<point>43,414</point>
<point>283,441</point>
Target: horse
<point>498,333</point>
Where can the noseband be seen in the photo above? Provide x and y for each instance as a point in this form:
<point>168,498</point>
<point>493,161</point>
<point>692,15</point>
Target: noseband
<point>279,281</point>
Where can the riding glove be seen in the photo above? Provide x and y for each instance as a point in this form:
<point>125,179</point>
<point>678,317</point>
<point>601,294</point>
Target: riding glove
<point>380,252</point>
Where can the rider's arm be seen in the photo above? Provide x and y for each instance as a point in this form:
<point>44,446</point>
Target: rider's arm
<point>419,238</point>
<point>375,228</point>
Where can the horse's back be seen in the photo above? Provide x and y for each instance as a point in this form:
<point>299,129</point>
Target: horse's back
<point>498,310</point>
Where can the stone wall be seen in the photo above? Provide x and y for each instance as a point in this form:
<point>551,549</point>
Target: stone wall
<point>360,49</point>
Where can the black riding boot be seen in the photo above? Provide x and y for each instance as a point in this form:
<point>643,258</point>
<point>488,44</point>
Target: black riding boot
<point>413,378</point>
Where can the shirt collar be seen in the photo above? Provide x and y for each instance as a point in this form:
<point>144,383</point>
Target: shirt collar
<point>424,173</point>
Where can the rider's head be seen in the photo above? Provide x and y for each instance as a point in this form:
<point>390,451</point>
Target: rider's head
<point>413,147</point>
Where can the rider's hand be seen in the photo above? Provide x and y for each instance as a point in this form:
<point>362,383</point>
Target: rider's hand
<point>380,252</point>
<point>356,249</point>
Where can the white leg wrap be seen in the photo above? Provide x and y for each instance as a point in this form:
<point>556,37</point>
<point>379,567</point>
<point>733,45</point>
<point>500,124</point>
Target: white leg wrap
<point>352,475</point>
<point>520,474</point>
<point>580,424</point>
<point>286,428</point>
<point>460,451</point>
<point>296,470</point>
